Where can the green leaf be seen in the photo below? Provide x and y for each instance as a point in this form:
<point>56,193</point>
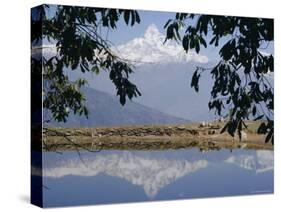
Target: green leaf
<point>254,110</point>
<point>82,68</point>
<point>170,32</point>
<point>262,128</point>
<point>127,16</point>
<point>197,46</point>
<point>95,69</point>
<point>213,40</point>
<point>240,130</point>
<point>185,43</point>
<point>224,128</point>
<point>195,80</point>
<point>259,117</point>
<point>137,17</point>
<point>167,23</point>
<point>269,136</point>
<point>203,42</point>
<point>133,18</point>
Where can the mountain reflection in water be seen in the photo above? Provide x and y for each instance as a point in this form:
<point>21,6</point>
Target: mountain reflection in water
<point>130,176</point>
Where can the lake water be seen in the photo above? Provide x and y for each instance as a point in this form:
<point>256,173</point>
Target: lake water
<point>132,176</point>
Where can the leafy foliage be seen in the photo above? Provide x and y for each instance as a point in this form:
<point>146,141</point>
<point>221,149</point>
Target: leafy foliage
<point>76,31</point>
<point>241,89</point>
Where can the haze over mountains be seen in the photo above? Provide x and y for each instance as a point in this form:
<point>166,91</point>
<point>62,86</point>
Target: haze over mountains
<point>106,110</point>
<point>163,74</point>
<point>166,87</point>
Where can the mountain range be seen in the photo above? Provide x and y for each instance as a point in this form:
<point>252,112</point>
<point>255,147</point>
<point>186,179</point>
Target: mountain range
<point>153,171</point>
<point>162,73</point>
<point>106,110</point>
<point>151,48</point>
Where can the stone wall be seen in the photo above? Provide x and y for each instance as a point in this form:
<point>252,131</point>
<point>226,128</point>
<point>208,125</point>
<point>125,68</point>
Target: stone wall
<point>139,131</point>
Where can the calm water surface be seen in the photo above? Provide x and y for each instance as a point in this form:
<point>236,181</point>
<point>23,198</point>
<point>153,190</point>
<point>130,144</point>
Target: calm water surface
<point>132,176</point>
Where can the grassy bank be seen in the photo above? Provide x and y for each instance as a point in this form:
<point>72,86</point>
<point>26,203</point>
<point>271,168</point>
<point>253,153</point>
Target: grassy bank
<point>151,137</point>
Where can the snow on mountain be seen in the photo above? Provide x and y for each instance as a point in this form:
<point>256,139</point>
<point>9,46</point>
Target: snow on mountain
<point>151,174</point>
<point>150,49</point>
<point>261,162</point>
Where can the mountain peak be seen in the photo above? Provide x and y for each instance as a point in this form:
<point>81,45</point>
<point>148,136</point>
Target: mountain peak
<point>151,49</point>
<point>151,31</point>
<point>152,174</point>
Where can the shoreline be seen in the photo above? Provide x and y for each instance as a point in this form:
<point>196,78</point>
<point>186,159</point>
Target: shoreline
<point>149,137</point>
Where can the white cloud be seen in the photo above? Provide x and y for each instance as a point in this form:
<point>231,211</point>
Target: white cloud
<point>150,48</point>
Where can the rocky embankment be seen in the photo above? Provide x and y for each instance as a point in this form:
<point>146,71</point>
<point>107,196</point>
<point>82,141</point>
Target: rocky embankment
<point>149,138</point>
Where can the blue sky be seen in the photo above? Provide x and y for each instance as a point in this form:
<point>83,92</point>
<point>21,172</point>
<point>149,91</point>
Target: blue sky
<point>125,33</point>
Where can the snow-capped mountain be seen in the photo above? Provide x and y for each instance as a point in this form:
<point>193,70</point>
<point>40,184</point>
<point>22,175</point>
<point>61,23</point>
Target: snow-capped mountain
<point>150,173</point>
<point>147,49</point>
<point>151,49</point>
<point>262,161</point>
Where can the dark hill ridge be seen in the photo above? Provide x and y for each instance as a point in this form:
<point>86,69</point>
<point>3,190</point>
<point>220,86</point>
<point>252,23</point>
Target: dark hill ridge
<point>106,110</point>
